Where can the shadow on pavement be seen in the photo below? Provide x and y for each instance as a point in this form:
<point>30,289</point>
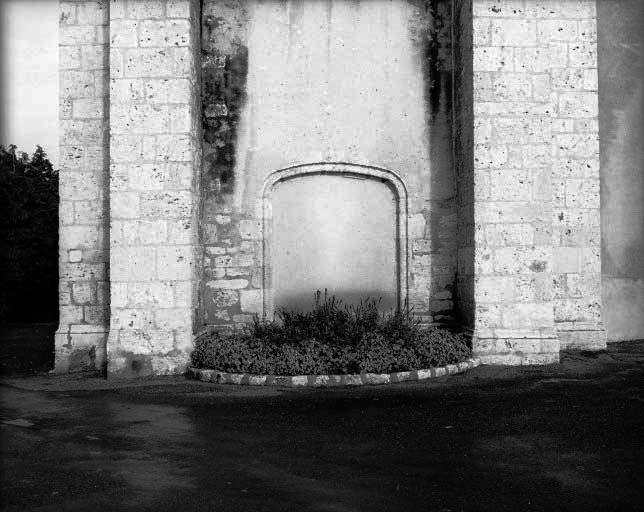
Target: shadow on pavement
<point>558,437</point>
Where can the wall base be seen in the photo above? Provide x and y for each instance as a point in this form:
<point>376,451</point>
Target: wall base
<point>80,348</point>
<point>516,351</point>
<point>147,356</point>
<point>580,339</point>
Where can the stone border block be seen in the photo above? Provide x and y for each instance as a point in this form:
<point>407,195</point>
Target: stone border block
<point>355,379</point>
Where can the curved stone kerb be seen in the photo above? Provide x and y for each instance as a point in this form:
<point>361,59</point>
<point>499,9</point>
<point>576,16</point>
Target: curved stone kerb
<point>357,379</point>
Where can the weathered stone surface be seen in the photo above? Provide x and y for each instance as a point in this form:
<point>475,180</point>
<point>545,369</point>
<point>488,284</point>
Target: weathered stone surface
<point>526,148</point>
<point>531,160</point>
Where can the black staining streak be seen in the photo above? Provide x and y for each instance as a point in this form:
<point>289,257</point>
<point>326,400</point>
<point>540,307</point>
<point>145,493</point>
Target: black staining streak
<point>225,71</point>
<point>436,52</point>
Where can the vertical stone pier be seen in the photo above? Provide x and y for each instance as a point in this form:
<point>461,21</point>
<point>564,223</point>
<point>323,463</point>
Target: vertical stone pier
<point>154,187</point>
<point>532,249</point>
<point>84,175</point>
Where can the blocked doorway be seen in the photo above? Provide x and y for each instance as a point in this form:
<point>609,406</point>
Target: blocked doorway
<point>337,232</point>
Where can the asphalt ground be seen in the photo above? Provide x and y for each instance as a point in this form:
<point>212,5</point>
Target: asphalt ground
<point>557,437</point>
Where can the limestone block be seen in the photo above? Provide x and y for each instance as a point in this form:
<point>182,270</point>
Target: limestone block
<point>235,260</point>
<point>95,315</point>
<point>183,291</point>
<point>591,259</point>
<point>251,301</point>
<point>578,104</point>
<point>481,31</point>
<point>582,193</point>
<point>164,33</point>
<point>82,132</point>
<point>70,314</point>
<point>528,315</point>
<point>174,148</point>
<point>83,271</point>
<point>493,58</point>
<point>577,310</point>
<point>74,35</point>
<point>514,32</point>
<point>250,229</point>
<point>79,236</point>
<point>511,184</point>
<point>75,256</point>
<point>94,57</point>
<point>92,13</point>
<point>69,57</point>
<point>490,155</point>
<point>505,9</point>
<point>583,55</point>
<point>168,90</point>
<point>512,87</point>
<point>157,62</point>
<point>124,205</point>
<point>166,204</point>
<point>144,9</point>
<point>494,289</point>
<point>67,11</point>
<point>147,341</point>
<point>179,117</point>
<point>175,262</point>
<point>558,9</point>
<point>181,232</point>
<point>518,260</point>
<point>171,319</point>
<point>540,59</point>
<point>178,8</point>
<point>557,30</point>
<point>84,292</point>
<point>139,118</point>
<point>541,87</point>
<point>88,108</point>
<point>124,33</point>
<point>227,284</point>
<point>133,263</point>
<point>155,293</point>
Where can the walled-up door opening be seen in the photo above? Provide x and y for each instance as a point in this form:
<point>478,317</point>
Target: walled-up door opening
<point>336,232</point>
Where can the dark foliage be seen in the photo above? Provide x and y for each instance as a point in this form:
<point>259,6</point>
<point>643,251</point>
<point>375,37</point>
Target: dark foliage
<point>331,339</point>
<point>29,237</point>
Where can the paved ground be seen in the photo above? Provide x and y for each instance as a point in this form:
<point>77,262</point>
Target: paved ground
<point>565,437</point>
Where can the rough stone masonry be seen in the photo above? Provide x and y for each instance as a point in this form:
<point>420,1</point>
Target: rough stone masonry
<point>181,120</point>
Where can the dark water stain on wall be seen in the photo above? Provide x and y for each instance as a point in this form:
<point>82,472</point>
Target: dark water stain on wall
<point>229,62</point>
<point>224,74</point>
<point>435,48</point>
<point>224,63</point>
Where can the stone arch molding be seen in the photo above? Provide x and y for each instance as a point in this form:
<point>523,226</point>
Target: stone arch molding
<point>386,176</point>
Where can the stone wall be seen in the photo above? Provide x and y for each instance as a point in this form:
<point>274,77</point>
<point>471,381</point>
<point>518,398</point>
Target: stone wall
<point>84,175</point>
<point>154,187</point>
<point>299,83</point>
<point>298,88</point>
<point>621,131</point>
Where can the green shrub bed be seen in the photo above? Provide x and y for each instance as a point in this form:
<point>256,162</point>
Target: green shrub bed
<point>331,339</point>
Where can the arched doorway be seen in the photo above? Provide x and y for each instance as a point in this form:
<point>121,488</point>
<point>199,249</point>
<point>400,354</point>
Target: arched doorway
<point>336,228</point>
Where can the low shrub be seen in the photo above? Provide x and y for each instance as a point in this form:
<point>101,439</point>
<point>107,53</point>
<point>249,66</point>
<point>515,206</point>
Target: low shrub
<point>331,339</point>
